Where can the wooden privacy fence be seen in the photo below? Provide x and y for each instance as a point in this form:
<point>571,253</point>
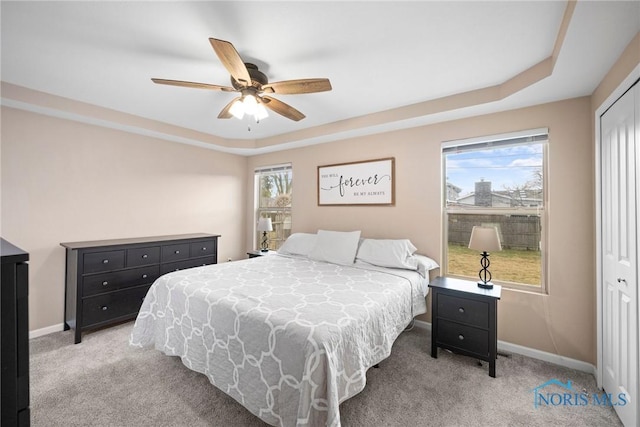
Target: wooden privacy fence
<point>520,232</point>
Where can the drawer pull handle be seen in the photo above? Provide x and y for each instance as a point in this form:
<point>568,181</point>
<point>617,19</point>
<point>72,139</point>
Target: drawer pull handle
<point>144,276</point>
<point>204,249</point>
<point>461,337</point>
<point>177,252</point>
<point>461,309</point>
<point>145,256</point>
<point>105,261</point>
<point>105,283</point>
<point>621,280</point>
<point>104,308</point>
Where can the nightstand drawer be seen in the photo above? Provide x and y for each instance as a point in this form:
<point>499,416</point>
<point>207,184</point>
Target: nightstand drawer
<point>463,310</point>
<point>113,305</point>
<point>143,256</point>
<point>106,282</point>
<point>175,252</point>
<point>103,261</point>
<point>463,337</point>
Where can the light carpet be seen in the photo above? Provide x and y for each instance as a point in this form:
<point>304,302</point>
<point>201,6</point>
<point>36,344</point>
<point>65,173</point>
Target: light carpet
<point>104,382</point>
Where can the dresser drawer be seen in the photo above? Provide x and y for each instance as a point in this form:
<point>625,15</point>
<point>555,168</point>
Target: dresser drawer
<point>106,282</point>
<point>203,248</point>
<point>463,337</point>
<point>175,252</point>
<point>143,256</point>
<point>463,310</point>
<point>102,261</point>
<point>190,263</point>
<point>113,305</point>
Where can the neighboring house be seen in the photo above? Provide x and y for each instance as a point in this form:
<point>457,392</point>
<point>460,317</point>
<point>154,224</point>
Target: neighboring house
<point>453,192</point>
<point>486,197</point>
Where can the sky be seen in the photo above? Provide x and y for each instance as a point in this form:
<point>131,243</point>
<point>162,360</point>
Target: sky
<point>507,166</point>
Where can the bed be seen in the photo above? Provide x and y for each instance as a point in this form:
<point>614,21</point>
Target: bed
<point>289,335</point>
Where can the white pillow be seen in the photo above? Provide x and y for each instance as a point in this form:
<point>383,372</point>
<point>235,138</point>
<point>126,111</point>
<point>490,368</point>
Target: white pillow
<point>338,247</point>
<point>425,264</point>
<point>388,253</point>
<point>298,244</point>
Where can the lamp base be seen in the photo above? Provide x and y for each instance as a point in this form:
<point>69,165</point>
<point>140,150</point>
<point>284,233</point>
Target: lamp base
<point>265,242</point>
<point>485,285</point>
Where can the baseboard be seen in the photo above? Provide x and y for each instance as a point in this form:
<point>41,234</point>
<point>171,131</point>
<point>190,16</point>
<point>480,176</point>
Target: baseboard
<point>421,324</point>
<point>556,359</point>
<point>46,331</point>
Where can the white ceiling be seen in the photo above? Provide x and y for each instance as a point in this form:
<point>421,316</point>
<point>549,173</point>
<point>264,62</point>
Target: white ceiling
<point>379,56</point>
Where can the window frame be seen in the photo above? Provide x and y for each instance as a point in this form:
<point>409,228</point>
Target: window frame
<point>270,210</point>
<point>498,141</point>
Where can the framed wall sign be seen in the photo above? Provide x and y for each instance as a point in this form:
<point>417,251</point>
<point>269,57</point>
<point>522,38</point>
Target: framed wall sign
<point>369,182</point>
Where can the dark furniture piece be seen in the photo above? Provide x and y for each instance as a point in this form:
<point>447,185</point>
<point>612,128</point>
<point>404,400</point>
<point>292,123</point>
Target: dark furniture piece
<point>464,319</point>
<point>257,253</point>
<point>14,356</point>
<point>106,280</point>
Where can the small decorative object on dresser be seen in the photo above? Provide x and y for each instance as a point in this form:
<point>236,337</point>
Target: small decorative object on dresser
<point>464,319</point>
<point>14,357</point>
<point>106,280</point>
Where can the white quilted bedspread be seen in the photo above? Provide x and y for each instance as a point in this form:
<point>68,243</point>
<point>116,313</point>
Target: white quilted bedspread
<point>288,338</point>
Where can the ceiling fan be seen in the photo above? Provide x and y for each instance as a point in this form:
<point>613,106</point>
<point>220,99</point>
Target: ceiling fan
<point>253,86</point>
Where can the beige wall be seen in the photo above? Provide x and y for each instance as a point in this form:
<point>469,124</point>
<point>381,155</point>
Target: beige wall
<point>561,322</point>
<point>625,64</point>
<point>64,181</point>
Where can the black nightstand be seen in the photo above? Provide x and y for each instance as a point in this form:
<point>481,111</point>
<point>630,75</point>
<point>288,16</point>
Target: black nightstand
<point>257,253</point>
<point>464,319</point>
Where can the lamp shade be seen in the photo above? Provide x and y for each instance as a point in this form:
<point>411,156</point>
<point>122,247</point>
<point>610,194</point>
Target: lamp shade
<point>264,224</point>
<point>237,109</point>
<point>485,239</point>
<point>248,105</point>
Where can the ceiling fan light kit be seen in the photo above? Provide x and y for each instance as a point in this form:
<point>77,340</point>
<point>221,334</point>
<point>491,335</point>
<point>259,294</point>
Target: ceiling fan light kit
<point>252,84</point>
<point>248,105</point>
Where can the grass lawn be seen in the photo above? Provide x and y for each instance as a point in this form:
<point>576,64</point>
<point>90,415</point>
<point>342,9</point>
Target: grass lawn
<point>508,265</point>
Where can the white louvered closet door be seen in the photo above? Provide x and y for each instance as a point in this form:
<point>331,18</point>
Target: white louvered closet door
<point>620,136</point>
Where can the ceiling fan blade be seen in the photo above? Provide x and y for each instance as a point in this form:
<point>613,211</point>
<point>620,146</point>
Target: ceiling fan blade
<point>231,60</point>
<point>298,86</point>
<point>193,84</point>
<point>225,113</point>
<point>281,108</point>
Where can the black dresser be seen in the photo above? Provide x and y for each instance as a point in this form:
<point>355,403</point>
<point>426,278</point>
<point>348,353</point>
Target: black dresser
<point>464,319</point>
<point>14,356</point>
<point>106,280</point>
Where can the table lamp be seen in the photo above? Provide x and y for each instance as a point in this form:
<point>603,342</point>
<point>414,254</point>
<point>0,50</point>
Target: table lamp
<point>485,239</point>
<point>264,225</point>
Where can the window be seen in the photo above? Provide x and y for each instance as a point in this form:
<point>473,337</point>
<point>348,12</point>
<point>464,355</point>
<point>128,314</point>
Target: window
<point>497,181</point>
<point>273,186</point>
